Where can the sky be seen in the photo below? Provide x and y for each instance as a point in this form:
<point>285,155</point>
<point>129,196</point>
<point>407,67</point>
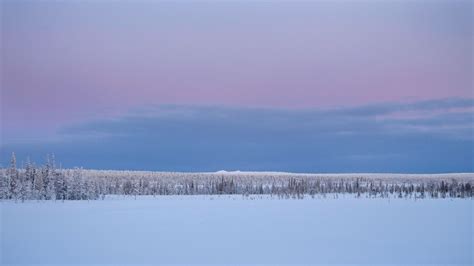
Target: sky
<point>300,86</point>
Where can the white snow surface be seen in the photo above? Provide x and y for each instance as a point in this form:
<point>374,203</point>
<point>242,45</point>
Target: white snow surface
<point>237,230</point>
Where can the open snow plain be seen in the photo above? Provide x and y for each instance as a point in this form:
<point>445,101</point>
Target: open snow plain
<point>238,230</point>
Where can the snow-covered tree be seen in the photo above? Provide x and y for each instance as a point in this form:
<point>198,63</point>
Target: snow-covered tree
<point>29,180</point>
<point>60,186</point>
<point>76,186</point>
<point>38,185</point>
<point>4,186</point>
<point>14,179</point>
<point>47,182</point>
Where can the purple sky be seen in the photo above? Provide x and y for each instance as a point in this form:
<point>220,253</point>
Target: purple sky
<point>68,62</point>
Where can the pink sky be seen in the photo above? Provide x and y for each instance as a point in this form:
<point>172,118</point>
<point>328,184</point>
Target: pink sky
<point>68,61</point>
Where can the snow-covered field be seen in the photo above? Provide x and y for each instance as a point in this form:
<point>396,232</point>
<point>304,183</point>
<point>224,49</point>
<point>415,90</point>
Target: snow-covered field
<point>237,230</point>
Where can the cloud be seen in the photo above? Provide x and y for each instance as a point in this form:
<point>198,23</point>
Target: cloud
<point>208,138</point>
<point>363,120</point>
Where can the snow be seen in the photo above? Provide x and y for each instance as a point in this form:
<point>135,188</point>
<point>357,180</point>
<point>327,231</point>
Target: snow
<point>237,230</point>
<point>229,172</point>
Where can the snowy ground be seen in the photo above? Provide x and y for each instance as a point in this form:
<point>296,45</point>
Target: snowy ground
<point>233,230</point>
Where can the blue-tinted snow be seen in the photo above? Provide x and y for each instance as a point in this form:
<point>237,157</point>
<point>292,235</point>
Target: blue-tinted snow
<point>233,230</point>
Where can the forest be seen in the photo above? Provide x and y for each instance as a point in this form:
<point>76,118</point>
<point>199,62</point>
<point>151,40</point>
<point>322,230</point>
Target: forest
<point>47,182</point>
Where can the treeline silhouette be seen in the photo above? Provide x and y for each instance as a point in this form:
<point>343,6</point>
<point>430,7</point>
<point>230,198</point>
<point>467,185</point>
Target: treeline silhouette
<point>46,182</point>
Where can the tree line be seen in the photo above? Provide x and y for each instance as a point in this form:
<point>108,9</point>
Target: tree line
<point>46,182</point>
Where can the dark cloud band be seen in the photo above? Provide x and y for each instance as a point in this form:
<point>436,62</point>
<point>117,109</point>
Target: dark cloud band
<point>208,138</point>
